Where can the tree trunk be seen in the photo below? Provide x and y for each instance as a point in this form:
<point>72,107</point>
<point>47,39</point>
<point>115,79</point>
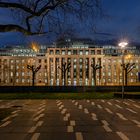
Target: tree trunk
<point>126,76</point>
<point>33,78</point>
<point>94,77</point>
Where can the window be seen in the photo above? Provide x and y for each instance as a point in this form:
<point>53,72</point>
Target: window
<point>11,73</point>
<point>74,66</point>
<point>63,52</point>
<point>17,61</point>
<point>81,52</point>
<point>92,52</point>
<point>17,80</point>
<point>23,61</point>
<point>17,67</point>
<point>74,52</point>
<point>109,73</point>
<point>57,52</point>
<point>17,74</point>
<point>23,80</point>
<point>87,52</point>
<point>75,60</point>
<point>69,52</point>
<point>22,73</point>
<point>12,67</point>
<point>51,52</point>
<point>98,51</point>
<point>69,60</point>
<point>45,60</point>
<point>81,60</point>
<point>39,60</point>
<point>12,61</point>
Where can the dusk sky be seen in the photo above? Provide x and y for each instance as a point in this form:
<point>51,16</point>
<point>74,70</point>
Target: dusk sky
<point>122,20</point>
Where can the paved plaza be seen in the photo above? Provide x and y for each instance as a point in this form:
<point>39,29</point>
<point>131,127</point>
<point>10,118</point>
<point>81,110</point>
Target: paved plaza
<point>113,119</point>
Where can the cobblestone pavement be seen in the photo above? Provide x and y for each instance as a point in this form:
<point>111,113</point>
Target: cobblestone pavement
<point>71,120</point>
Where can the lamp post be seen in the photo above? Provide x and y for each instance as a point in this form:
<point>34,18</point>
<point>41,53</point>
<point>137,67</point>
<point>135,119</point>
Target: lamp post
<point>123,45</point>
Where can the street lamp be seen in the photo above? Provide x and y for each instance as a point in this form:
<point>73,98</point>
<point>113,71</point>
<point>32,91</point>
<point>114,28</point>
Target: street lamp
<point>123,44</point>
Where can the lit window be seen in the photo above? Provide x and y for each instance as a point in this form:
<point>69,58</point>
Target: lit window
<point>75,60</point>
<point>17,74</point>
<point>11,73</point>
<point>80,60</point>
<point>69,52</point>
<point>74,66</point>
<point>17,61</point>
<point>45,73</point>
<point>137,61</point>
<point>23,80</point>
<point>109,73</point>
<point>12,66</point>
<point>23,61</point>
<point>22,74</point>
<point>81,52</point>
<point>63,52</point>
<point>17,67</point>
<point>87,52</point>
<point>12,61</point>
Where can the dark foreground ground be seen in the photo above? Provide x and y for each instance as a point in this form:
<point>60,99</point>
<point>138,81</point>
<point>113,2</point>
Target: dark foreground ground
<point>100,119</point>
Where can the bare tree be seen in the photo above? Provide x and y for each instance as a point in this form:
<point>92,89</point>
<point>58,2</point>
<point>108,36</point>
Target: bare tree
<point>34,71</point>
<point>43,16</point>
<point>65,67</point>
<point>95,67</point>
<point>127,69</point>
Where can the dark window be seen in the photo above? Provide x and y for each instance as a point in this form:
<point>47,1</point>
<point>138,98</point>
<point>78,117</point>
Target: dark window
<point>39,60</point>
<point>98,51</point>
<point>45,60</point>
<point>74,52</point>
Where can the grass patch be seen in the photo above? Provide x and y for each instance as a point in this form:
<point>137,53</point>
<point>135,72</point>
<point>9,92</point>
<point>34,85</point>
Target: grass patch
<point>56,96</point>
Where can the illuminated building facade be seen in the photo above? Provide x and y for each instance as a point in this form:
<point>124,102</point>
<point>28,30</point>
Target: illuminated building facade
<point>54,59</point>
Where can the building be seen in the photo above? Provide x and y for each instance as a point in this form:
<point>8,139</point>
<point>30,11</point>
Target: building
<point>68,62</point>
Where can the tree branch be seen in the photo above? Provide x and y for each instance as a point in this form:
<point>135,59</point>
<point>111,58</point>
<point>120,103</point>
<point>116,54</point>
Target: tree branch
<point>16,5</point>
<point>12,27</point>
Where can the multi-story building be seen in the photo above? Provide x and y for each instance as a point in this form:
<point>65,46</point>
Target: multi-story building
<point>68,62</point>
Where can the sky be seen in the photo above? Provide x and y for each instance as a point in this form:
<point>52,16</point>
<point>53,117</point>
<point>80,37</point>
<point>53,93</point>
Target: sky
<point>121,20</point>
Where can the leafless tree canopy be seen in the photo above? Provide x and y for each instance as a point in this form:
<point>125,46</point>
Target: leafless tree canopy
<point>43,16</point>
